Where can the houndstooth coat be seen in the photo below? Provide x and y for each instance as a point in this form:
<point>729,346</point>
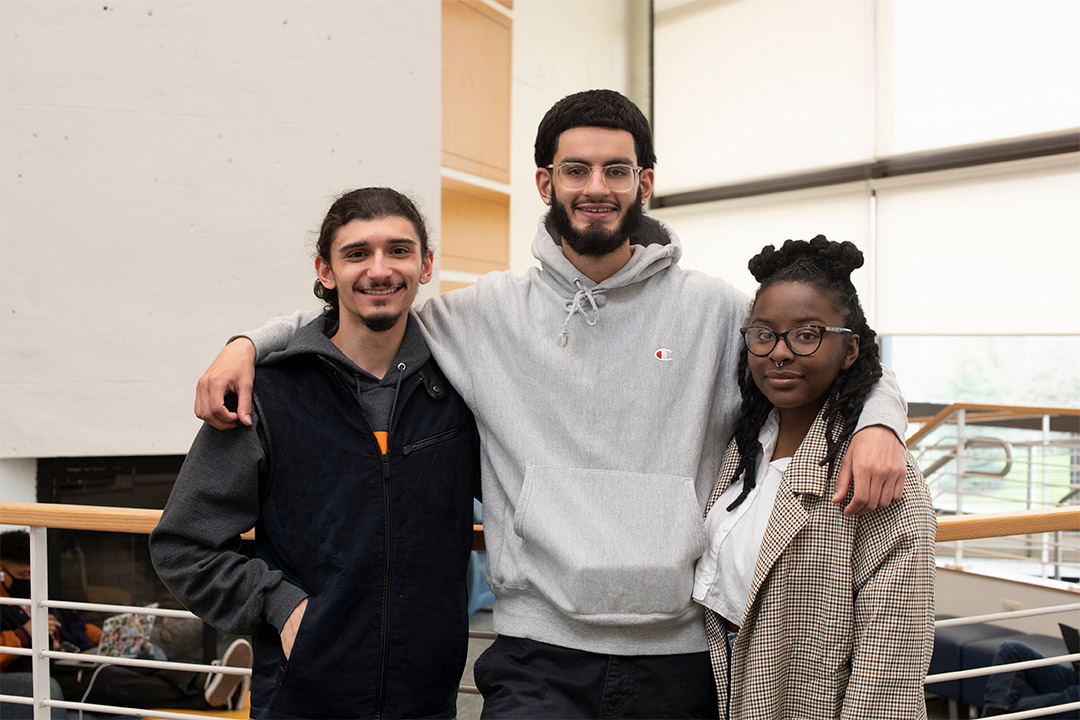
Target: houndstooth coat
<point>840,618</point>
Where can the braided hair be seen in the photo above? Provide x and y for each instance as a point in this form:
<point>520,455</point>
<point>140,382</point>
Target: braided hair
<point>825,266</point>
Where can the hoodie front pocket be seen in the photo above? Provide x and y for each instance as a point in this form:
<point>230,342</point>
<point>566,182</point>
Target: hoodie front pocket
<point>610,547</point>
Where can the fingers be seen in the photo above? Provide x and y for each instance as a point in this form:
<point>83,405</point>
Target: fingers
<point>875,465</point>
<point>210,402</point>
<point>867,496</point>
<point>243,403</point>
<point>243,393</point>
<point>232,370</point>
<point>843,481</point>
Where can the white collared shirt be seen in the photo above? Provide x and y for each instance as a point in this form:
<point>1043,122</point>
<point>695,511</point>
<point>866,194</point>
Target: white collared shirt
<point>726,571</point>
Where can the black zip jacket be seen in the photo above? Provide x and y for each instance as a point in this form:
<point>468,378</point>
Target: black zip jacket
<point>377,543</point>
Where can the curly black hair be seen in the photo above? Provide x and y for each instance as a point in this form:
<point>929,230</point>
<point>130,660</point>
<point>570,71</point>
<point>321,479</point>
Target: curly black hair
<point>825,266</point>
<point>593,108</point>
<point>15,546</point>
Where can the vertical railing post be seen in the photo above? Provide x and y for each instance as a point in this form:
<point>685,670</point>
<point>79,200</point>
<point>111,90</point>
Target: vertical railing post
<point>1030,478</point>
<point>961,450</point>
<point>1045,490</point>
<point>40,639</point>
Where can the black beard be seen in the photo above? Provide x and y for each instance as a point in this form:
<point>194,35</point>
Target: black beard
<point>380,323</point>
<point>595,241</point>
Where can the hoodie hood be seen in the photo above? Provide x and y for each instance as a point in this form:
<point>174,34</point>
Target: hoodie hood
<point>314,339</point>
<point>654,247</point>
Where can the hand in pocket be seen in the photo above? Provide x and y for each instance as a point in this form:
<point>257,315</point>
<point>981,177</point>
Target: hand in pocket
<point>292,625</point>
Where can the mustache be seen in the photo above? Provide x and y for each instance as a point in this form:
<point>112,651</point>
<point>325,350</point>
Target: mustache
<point>378,285</point>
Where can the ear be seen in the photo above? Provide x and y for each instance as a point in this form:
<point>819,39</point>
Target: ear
<point>543,184</point>
<point>851,353</point>
<point>647,176</point>
<point>326,275</point>
<point>427,267</point>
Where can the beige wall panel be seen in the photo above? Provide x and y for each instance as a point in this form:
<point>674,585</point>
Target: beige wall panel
<point>476,89</point>
<point>475,229</point>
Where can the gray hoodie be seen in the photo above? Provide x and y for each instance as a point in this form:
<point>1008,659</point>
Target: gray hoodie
<point>604,410</point>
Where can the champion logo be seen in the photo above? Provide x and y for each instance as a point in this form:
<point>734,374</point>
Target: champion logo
<point>663,354</point>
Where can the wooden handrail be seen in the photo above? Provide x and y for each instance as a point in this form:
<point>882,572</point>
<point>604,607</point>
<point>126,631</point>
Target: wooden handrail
<point>142,521</point>
<point>111,519</point>
<point>984,412</point>
<point>971,527</point>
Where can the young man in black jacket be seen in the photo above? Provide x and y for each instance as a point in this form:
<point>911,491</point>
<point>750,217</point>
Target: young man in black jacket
<point>358,474</point>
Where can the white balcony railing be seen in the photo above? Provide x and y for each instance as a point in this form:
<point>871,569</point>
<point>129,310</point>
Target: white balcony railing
<point>40,517</point>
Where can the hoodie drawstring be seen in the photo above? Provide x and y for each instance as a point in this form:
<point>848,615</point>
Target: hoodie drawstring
<point>576,306</point>
<point>397,392</point>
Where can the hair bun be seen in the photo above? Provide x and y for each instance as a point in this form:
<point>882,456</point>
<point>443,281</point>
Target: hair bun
<point>835,260</point>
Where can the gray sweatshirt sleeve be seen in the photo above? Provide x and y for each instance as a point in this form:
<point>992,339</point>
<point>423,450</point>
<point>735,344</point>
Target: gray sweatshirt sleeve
<point>277,332</point>
<point>885,406</point>
<point>448,322</point>
<point>195,547</point>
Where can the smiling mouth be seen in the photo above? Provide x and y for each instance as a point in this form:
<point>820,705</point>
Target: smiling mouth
<point>380,292</point>
<point>595,210</point>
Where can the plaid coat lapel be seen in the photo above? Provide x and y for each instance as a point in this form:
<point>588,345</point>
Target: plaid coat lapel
<point>804,475</point>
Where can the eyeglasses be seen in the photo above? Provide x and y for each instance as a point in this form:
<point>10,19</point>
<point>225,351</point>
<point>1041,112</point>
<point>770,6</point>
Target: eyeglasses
<point>576,176</point>
<point>801,340</point>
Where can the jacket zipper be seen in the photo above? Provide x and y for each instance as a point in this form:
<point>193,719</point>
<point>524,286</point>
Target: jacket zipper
<point>429,441</point>
<point>384,639</point>
<point>384,461</point>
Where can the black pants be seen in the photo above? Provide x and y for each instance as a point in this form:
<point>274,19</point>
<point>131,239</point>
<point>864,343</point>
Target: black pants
<point>131,687</point>
<point>522,678</point>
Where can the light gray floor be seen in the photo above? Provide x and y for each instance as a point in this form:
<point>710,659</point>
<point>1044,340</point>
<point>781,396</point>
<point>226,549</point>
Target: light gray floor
<point>468,705</point>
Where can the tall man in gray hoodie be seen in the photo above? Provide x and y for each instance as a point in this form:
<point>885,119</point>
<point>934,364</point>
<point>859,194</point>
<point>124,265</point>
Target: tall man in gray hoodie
<point>603,383</point>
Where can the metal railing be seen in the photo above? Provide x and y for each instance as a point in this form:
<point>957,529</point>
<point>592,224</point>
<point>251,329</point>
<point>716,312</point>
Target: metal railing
<point>1011,667</point>
<point>992,458</point>
<point>40,517</point>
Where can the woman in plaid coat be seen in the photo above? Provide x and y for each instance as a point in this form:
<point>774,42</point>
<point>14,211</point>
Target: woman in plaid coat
<point>812,613</point>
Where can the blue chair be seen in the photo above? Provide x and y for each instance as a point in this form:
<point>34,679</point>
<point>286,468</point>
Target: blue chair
<point>480,595</point>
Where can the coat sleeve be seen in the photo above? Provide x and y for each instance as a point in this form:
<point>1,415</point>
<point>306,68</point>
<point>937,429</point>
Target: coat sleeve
<point>277,332</point>
<point>893,571</point>
<point>195,547</point>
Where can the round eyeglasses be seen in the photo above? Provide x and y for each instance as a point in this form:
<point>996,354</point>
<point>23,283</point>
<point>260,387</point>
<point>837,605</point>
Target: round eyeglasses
<point>801,340</point>
<point>576,176</point>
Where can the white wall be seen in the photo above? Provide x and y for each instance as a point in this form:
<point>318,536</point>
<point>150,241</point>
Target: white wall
<point>164,166</point>
<point>960,594</point>
<point>741,93</point>
<point>18,483</point>
<point>720,238</point>
<point>747,89</point>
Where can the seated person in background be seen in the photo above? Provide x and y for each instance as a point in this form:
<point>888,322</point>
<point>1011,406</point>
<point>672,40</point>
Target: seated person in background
<point>812,613</point>
<point>1038,687</point>
<point>113,684</point>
